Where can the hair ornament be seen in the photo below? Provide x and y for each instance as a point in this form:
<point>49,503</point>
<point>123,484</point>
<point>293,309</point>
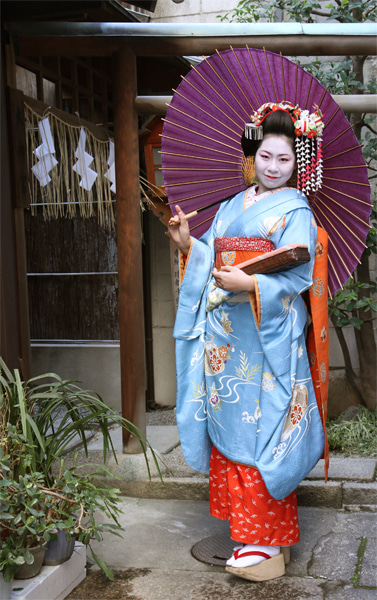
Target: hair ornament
<point>253,132</point>
<point>308,129</point>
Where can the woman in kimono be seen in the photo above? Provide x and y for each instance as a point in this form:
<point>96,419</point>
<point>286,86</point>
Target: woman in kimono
<point>246,406</point>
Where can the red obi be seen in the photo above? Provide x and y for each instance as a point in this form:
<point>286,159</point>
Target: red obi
<point>232,251</point>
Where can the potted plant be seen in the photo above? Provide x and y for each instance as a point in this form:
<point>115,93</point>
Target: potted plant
<point>76,501</point>
<point>52,414</point>
<point>31,515</point>
<point>24,523</point>
<point>12,556</point>
<point>39,420</point>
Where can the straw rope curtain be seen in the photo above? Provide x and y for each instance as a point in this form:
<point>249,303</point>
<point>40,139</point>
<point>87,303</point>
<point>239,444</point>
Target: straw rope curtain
<point>63,196</point>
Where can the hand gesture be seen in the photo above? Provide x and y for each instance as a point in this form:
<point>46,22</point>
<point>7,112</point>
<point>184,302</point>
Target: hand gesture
<point>179,231</point>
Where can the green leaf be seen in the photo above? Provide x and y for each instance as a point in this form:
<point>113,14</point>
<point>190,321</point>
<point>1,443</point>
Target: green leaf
<point>21,402</point>
<point>102,565</point>
<point>356,322</point>
<point>29,557</point>
<point>36,431</point>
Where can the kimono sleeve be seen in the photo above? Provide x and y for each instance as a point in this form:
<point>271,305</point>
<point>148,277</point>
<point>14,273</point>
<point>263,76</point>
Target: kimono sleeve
<point>190,307</point>
<point>193,283</point>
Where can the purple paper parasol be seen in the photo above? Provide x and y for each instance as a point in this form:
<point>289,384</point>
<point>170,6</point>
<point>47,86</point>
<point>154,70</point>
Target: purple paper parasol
<point>202,154</point>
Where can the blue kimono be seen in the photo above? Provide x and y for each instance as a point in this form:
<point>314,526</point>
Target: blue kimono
<point>243,377</point>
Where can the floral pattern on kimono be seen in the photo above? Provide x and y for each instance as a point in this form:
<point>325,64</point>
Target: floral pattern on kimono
<point>243,376</point>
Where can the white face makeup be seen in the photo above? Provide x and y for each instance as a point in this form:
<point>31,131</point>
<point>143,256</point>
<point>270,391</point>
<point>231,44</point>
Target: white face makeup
<point>274,162</point>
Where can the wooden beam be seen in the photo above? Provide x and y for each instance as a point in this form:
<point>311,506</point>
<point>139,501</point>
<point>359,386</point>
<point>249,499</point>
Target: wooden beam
<point>131,313</point>
<point>182,39</point>
<point>289,45</point>
<point>358,103</point>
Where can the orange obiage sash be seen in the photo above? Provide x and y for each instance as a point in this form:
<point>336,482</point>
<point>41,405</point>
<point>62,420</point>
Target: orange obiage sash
<point>317,341</point>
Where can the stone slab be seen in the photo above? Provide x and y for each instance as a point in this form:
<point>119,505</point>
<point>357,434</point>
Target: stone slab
<point>349,592</point>
<point>362,494</point>
<point>315,524</point>
<point>169,489</point>
<point>159,534</point>
<point>368,574</point>
<point>346,469</point>
<point>317,493</point>
<point>153,560</point>
<point>333,494</point>
<point>335,556</point>
<point>163,438</point>
<point>208,586</point>
<point>148,584</point>
<point>133,468</point>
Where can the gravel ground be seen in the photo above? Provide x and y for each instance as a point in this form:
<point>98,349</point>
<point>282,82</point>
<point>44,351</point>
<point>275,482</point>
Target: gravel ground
<point>161,416</point>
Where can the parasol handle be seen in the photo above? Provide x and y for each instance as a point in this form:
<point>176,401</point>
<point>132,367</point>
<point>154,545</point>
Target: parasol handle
<point>188,216</point>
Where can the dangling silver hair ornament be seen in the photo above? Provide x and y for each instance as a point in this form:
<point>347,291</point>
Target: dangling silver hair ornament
<point>253,132</point>
<point>308,129</point>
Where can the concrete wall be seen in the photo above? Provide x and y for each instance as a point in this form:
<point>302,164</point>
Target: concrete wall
<point>162,314</point>
<point>94,367</point>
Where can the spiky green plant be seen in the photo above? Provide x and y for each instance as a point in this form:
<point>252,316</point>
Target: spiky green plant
<point>51,414</point>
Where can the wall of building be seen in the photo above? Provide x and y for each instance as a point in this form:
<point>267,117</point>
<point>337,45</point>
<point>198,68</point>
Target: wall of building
<point>163,314</point>
<point>193,11</point>
<point>94,367</point>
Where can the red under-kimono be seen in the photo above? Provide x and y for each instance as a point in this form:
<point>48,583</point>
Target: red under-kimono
<point>238,494</point>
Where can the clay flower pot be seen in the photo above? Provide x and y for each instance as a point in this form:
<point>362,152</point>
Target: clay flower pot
<point>60,550</point>
<point>26,571</point>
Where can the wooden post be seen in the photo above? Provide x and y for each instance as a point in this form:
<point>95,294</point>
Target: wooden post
<point>21,200</point>
<point>131,314</point>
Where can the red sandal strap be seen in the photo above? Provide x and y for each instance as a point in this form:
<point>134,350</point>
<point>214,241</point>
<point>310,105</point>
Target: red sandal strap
<point>251,553</point>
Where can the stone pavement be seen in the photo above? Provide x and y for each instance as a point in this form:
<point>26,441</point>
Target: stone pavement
<point>335,559</point>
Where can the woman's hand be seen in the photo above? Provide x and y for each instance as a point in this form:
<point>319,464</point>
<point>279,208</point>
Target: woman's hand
<point>179,231</point>
<point>233,279</point>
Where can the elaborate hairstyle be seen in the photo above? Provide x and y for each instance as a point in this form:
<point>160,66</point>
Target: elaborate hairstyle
<point>276,123</point>
<point>303,128</point>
